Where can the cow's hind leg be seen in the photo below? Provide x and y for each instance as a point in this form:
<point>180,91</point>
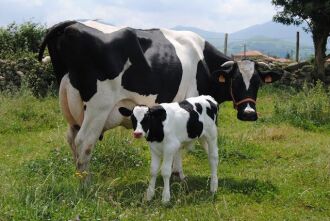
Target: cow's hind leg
<point>70,136</point>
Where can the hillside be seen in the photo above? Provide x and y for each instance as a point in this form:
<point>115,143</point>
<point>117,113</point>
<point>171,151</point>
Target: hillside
<point>270,38</point>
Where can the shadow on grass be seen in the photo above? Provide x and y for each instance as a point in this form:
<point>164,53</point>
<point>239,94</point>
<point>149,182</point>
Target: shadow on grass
<point>194,190</point>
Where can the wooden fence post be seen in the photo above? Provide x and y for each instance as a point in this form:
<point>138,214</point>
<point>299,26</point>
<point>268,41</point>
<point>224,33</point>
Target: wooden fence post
<point>297,47</point>
<point>226,43</point>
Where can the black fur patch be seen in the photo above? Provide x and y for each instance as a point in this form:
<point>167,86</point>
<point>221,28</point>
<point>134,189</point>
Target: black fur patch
<point>164,73</point>
<point>194,126</point>
<point>134,121</point>
<point>156,116</point>
<point>199,108</point>
<point>76,127</point>
<point>125,112</point>
<point>212,111</point>
<point>207,84</point>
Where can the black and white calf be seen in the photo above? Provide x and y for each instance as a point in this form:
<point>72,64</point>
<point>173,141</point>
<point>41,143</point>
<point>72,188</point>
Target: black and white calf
<point>169,126</point>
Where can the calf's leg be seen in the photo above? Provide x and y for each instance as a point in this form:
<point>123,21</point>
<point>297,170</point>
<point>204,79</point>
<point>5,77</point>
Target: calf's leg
<point>154,167</point>
<point>213,162</point>
<point>169,151</point>
<point>177,165</point>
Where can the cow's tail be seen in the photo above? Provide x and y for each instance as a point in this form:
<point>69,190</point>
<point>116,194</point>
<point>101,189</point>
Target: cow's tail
<point>53,32</point>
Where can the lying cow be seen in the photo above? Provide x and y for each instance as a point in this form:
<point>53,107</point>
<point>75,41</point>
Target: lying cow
<point>169,125</point>
<point>101,68</point>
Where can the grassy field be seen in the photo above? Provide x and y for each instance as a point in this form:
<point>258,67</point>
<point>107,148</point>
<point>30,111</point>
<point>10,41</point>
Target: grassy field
<point>277,168</point>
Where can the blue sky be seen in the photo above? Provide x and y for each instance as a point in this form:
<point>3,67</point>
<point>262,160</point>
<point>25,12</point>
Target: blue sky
<point>213,15</point>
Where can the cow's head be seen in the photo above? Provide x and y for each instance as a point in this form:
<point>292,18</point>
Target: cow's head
<point>243,79</point>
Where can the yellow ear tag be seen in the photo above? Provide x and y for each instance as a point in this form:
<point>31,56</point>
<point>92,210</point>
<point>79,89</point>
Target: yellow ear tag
<point>268,79</point>
<point>222,79</point>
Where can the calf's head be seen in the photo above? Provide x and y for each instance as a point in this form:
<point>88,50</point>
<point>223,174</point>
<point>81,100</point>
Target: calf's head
<point>145,120</point>
<point>243,78</point>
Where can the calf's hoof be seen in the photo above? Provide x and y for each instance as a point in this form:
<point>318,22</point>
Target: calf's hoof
<point>166,197</point>
<point>150,194</point>
<point>214,186</point>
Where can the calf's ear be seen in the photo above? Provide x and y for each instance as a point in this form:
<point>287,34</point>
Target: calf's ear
<point>270,76</point>
<point>125,112</point>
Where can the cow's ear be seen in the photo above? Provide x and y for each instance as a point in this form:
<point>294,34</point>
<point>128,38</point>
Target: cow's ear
<point>225,71</point>
<point>158,112</point>
<point>125,112</point>
<point>270,76</point>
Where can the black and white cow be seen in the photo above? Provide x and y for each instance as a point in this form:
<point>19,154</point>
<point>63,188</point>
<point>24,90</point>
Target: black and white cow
<point>169,125</point>
<point>101,68</point>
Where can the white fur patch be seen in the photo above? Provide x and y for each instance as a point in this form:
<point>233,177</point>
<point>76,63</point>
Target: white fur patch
<point>189,48</point>
<point>139,113</point>
<point>246,68</point>
<point>107,29</point>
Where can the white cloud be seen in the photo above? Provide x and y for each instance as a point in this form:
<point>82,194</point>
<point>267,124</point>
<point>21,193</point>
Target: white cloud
<point>215,15</point>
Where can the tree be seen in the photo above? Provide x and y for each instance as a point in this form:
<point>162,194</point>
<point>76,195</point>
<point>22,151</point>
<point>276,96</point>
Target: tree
<point>316,13</point>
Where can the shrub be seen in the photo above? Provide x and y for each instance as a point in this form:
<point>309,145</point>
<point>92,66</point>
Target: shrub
<point>17,38</point>
<point>24,70</point>
<point>19,67</point>
<point>309,108</point>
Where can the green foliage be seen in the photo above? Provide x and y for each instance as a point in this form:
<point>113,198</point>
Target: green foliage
<point>23,70</point>
<point>21,38</point>
<point>298,11</point>
<point>309,109</point>
<point>317,15</point>
<point>19,67</point>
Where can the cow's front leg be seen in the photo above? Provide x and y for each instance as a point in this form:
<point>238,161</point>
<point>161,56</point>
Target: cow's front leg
<point>87,137</point>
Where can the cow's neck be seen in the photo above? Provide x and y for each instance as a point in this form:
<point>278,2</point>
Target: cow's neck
<point>214,59</point>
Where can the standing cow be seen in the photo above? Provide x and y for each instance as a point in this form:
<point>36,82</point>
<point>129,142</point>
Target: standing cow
<point>101,68</point>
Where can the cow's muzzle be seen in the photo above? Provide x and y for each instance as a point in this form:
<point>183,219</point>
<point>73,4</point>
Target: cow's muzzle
<point>247,115</point>
<point>137,134</point>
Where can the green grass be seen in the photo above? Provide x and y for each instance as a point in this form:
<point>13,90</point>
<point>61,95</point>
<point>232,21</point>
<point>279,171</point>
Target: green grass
<point>272,169</point>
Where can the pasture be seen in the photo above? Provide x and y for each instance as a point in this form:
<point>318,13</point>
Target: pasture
<point>277,168</point>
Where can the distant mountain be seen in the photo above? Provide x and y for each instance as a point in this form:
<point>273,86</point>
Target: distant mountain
<point>275,31</point>
<point>270,38</point>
